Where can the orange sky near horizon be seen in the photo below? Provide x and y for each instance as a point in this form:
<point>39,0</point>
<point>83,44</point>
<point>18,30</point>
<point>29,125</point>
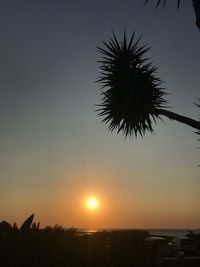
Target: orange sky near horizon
<point>119,207</point>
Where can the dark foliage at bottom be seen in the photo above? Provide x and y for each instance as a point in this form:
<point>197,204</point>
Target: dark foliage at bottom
<point>30,246</point>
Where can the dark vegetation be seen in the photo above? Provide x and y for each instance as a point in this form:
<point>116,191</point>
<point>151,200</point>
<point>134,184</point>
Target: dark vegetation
<point>31,246</point>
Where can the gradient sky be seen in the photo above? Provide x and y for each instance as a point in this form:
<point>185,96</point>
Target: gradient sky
<point>54,151</point>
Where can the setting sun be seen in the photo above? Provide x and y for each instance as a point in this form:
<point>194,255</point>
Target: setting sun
<point>92,203</point>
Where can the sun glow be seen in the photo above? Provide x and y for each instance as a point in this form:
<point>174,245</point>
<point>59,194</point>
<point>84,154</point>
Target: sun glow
<point>92,203</point>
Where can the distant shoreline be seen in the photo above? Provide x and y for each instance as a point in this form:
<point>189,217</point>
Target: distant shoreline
<point>154,231</point>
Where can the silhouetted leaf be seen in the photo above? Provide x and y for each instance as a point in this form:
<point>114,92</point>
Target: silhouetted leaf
<point>5,227</point>
<point>27,224</point>
<point>164,2</point>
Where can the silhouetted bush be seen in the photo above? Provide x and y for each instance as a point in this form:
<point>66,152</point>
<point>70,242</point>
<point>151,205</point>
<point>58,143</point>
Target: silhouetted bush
<point>30,246</point>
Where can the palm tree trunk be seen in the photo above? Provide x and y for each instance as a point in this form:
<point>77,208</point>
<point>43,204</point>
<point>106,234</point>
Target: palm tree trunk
<point>196,4</point>
<point>173,116</point>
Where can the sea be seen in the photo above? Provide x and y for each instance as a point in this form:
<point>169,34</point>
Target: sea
<point>153,232</point>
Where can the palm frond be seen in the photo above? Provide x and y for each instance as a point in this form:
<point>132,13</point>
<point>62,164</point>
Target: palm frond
<point>130,91</point>
<point>163,3</point>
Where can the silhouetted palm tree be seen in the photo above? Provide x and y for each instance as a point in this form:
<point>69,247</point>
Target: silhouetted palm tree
<point>196,5</point>
<point>132,94</point>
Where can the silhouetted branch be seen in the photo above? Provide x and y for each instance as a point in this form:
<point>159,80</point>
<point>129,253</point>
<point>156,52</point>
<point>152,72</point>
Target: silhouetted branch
<point>132,94</point>
<point>198,105</point>
<point>174,116</point>
<point>196,4</point>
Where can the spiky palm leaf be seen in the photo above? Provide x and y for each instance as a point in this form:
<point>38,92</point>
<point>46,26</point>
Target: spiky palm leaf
<point>27,223</point>
<point>131,92</point>
<point>164,2</point>
<point>196,6</point>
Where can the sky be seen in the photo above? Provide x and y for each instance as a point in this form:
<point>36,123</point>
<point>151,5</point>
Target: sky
<point>54,150</point>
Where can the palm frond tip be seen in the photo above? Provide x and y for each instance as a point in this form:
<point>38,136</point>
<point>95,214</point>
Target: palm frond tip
<point>164,2</point>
